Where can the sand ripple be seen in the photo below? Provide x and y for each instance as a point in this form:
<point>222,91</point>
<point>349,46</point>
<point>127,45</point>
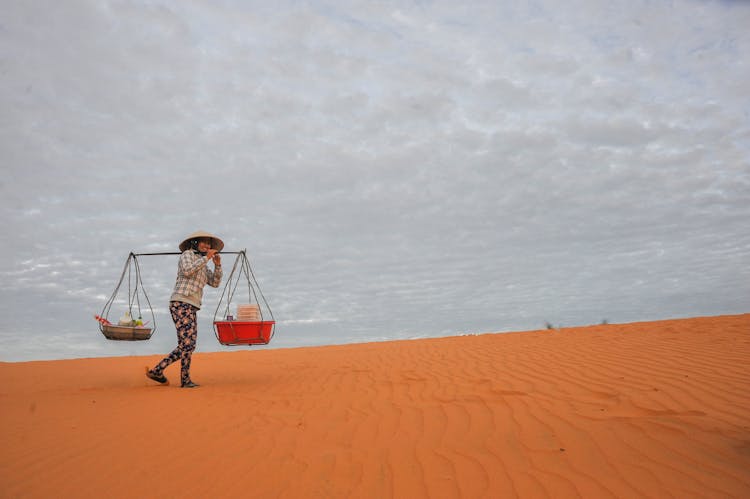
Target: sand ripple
<point>657,409</point>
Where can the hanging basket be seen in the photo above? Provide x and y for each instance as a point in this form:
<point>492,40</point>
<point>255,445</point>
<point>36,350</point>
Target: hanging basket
<point>126,333</point>
<point>253,323</point>
<point>131,331</point>
<point>244,332</point>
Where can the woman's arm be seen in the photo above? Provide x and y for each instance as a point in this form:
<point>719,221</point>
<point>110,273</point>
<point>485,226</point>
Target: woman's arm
<point>214,277</point>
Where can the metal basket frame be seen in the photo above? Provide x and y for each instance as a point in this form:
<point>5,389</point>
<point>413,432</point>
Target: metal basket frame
<point>135,288</point>
<point>242,268</point>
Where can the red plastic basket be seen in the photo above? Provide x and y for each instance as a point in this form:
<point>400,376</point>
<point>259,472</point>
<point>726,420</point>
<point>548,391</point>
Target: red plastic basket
<point>244,332</point>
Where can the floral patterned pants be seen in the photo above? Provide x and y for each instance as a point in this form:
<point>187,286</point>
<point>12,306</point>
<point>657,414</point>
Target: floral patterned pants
<point>185,320</point>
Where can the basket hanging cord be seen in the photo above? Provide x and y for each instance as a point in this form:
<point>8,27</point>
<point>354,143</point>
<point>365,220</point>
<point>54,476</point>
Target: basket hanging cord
<point>139,283</point>
<point>132,294</point>
<point>255,286</point>
<point>108,305</point>
<point>228,287</point>
<point>252,286</point>
<point>251,294</point>
<point>230,297</point>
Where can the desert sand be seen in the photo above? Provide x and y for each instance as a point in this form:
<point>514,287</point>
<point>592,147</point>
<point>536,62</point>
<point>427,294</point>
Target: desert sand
<point>652,409</point>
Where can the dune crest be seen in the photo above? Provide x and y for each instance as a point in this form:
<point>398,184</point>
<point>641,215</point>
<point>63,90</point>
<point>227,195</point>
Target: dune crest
<point>652,409</point>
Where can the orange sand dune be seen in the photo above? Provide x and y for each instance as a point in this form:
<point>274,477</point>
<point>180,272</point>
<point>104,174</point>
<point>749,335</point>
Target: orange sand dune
<point>657,409</point>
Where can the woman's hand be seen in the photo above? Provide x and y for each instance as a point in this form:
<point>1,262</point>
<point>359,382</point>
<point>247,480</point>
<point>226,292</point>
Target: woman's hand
<point>214,254</point>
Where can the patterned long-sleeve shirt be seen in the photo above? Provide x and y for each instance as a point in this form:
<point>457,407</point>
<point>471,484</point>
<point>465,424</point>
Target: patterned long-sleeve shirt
<point>192,275</point>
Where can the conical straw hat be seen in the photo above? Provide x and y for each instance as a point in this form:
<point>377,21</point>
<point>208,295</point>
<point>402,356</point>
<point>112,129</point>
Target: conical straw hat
<point>216,243</point>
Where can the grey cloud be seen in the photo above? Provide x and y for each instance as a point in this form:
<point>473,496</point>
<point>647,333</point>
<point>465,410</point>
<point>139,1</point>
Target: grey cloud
<point>607,131</point>
<point>392,172</point>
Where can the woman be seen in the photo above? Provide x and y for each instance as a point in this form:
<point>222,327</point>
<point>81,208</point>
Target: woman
<point>192,275</point>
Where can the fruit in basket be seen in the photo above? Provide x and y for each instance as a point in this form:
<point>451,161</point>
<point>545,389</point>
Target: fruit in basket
<point>102,321</point>
<point>126,320</point>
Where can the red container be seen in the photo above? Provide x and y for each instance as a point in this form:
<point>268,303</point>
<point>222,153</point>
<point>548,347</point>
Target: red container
<point>244,332</point>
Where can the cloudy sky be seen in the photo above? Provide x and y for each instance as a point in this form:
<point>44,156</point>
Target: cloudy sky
<point>395,169</point>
